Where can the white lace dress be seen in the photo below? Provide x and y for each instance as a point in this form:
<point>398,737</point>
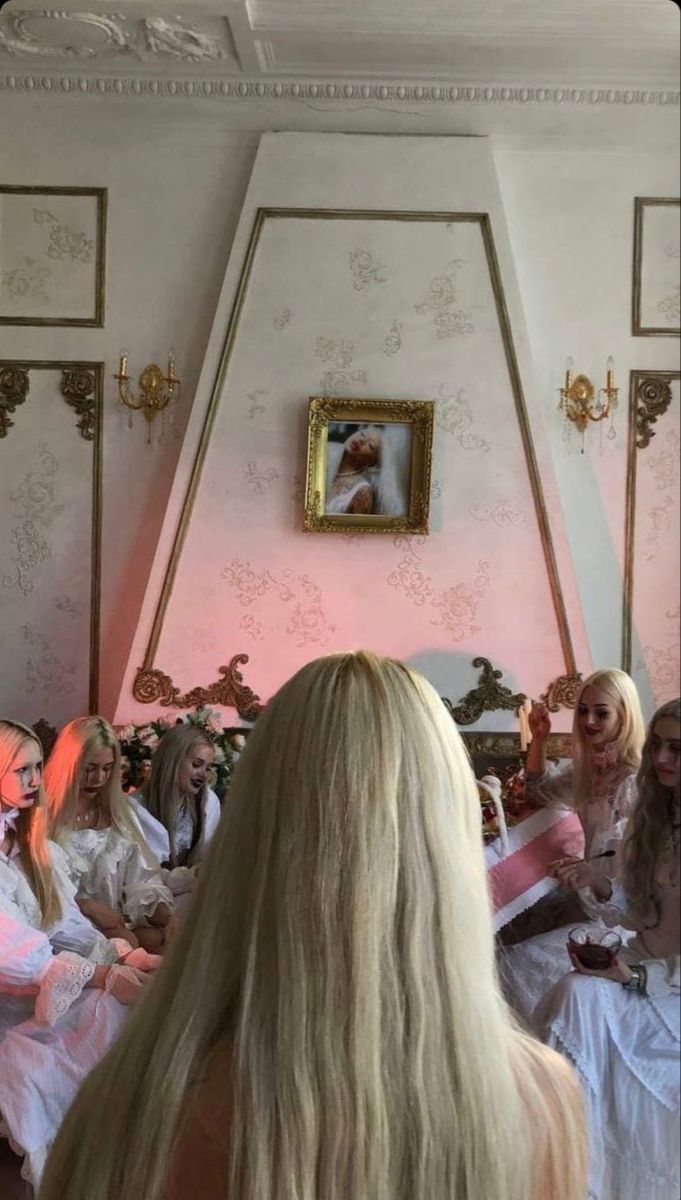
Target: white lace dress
<point>104,865</point>
<point>627,1050</point>
<point>530,969</point>
<point>52,1031</point>
<point>180,880</point>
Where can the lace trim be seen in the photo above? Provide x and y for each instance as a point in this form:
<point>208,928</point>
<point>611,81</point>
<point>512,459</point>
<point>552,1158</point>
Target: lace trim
<point>61,984</point>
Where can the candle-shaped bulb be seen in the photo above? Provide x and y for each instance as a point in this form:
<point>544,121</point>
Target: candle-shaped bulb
<point>123,363</point>
<point>171,363</point>
<point>569,364</point>
<point>610,373</point>
<point>610,363</point>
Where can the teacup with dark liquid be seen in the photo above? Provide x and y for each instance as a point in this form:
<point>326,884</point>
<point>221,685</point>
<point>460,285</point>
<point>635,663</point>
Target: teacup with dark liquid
<point>595,949</point>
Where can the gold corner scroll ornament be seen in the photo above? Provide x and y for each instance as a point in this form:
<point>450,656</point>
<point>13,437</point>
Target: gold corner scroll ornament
<point>652,399</point>
<point>14,388</point>
<point>78,389</point>
<point>562,692</point>
<point>488,696</point>
<point>154,687</point>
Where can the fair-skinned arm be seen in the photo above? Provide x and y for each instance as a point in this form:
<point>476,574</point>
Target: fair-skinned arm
<point>540,728</point>
<point>618,971</point>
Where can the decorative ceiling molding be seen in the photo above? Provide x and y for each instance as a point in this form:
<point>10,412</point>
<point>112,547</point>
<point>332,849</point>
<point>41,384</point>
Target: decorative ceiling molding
<point>84,37</point>
<point>342,91</point>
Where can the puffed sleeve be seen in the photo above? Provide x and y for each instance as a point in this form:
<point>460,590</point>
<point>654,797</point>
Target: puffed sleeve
<point>143,888</point>
<point>73,931</point>
<point>553,789</point>
<point>28,966</point>
<point>154,833</point>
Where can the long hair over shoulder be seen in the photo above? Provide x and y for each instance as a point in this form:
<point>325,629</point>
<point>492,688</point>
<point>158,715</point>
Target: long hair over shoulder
<point>63,773</point>
<point>161,793</point>
<point>648,826</point>
<point>32,827</point>
<point>341,943</point>
<point>621,691</point>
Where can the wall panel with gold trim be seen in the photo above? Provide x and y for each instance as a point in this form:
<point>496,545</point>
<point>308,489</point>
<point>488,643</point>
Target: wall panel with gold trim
<point>50,420</point>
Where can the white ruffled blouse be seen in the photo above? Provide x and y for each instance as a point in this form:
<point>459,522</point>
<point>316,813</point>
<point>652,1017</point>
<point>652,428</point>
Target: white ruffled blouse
<point>179,879</point>
<point>105,865</point>
<point>607,810</point>
<point>55,963</point>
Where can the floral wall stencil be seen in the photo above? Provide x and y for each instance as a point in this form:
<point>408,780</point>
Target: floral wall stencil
<point>450,318</point>
<point>48,558</point>
<point>282,595</point>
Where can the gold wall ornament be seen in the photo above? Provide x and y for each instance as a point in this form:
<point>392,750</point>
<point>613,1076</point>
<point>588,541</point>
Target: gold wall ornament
<point>580,403</point>
<point>650,394</point>
<point>359,488</point>
<point>653,395</point>
<point>156,390</point>
<point>154,687</point>
<point>562,692</point>
<point>78,390</point>
<point>488,696</point>
<point>14,388</point>
<point>507,745</point>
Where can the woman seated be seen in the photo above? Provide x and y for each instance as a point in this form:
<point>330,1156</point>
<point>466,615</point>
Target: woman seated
<point>62,991</point>
<point>177,810</point>
<point>329,1014</point>
<point>117,879</point>
<point>624,1040</point>
<point>599,782</point>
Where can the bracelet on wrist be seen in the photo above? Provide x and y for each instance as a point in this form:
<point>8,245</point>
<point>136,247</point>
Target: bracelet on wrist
<point>637,980</point>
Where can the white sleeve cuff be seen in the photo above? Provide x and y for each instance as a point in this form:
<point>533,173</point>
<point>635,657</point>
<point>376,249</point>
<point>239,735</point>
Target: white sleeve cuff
<point>61,983</point>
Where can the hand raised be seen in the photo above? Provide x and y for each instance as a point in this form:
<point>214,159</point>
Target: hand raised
<point>539,722</point>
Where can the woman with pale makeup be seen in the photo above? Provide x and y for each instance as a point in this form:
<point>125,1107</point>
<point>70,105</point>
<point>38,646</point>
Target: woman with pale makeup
<point>369,473</point>
<point>599,783</point>
<point>620,1026</point>
<point>328,1023</point>
<point>117,879</point>
<point>178,811</point>
<point>64,987</point>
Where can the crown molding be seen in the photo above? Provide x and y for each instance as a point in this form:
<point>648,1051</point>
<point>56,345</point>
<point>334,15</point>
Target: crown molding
<point>342,92</point>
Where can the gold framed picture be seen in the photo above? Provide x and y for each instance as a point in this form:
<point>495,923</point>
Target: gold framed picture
<point>368,465</point>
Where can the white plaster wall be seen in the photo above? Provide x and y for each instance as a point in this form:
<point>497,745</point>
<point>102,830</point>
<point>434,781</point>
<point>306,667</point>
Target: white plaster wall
<point>177,173</point>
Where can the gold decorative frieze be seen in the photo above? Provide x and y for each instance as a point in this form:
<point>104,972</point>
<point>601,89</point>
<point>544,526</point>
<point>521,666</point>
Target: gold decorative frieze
<point>488,696</point>
<point>562,692</point>
<point>507,745</point>
<point>78,389</point>
<point>652,399</point>
<point>14,388</point>
<point>154,687</point>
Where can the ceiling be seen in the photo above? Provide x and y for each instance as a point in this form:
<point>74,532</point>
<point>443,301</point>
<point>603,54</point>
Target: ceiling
<point>390,49</point>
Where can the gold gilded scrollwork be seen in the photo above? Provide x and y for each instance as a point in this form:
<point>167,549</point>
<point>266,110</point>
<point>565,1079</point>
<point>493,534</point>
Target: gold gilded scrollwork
<point>152,686</point>
<point>14,388</point>
<point>503,745</point>
<point>653,397</point>
<point>562,692</point>
<point>78,390</point>
<point>488,696</point>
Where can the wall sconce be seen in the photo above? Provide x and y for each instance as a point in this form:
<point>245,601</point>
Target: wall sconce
<point>156,389</point>
<point>581,403</point>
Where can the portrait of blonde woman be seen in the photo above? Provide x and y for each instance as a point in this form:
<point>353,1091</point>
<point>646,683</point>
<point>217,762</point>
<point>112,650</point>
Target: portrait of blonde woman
<point>328,1024</point>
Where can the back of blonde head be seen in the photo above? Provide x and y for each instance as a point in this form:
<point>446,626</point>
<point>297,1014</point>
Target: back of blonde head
<point>620,689</point>
<point>341,941</point>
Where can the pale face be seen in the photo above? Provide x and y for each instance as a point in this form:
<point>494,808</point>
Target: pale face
<point>19,786</point>
<point>598,718</point>
<point>363,448</point>
<point>665,745</point>
<point>194,769</point>
<point>95,773</point>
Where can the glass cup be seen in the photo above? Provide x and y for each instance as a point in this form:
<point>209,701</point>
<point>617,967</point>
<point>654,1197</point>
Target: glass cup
<point>595,949</point>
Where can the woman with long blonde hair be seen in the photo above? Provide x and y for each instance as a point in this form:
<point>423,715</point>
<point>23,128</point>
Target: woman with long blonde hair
<point>177,809</point>
<point>328,1023</point>
<point>625,1040</point>
<point>599,783</point>
<point>62,988</point>
<point>117,879</point>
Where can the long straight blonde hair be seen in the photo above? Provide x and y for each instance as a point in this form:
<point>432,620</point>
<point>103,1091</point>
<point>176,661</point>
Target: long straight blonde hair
<point>626,748</point>
<point>161,792</point>
<point>63,777</point>
<point>341,943</point>
<point>32,826</point>
<point>649,826</point>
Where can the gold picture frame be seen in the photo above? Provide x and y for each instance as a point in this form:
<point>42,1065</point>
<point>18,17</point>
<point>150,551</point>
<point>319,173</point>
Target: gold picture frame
<point>368,465</point>
<point>52,256</point>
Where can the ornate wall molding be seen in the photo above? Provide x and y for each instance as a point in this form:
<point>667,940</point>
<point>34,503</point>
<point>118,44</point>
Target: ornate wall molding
<point>154,687</point>
<point>341,92</point>
<point>14,388</point>
<point>652,397</point>
<point>562,692</point>
<point>78,389</point>
<point>507,745</point>
<point>488,696</point>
